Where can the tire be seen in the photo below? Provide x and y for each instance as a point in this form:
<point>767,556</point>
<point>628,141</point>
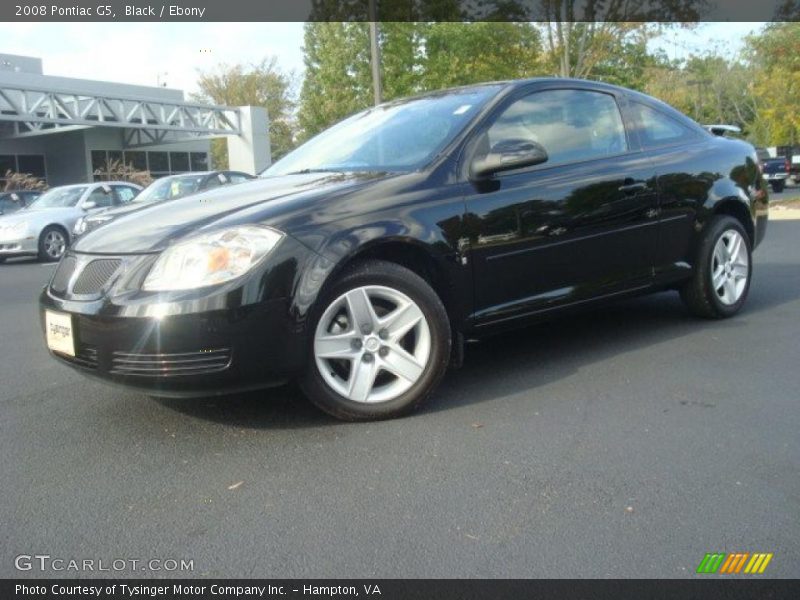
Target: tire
<point>713,265</point>
<point>398,300</point>
<point>48,241</point>
<point>778,186</point>
<point>2,259</point>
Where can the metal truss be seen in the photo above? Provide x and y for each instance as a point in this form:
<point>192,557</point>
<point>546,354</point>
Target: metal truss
<point>35,111</point>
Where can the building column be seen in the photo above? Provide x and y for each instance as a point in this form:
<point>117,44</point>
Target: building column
<point>250,151</point>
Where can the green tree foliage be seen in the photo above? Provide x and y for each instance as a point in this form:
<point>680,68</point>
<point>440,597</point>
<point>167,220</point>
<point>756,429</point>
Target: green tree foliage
<point>709,88</point>
<point>262,84</point>
<point>415,57</point>
<point>337,76</point>
<point>464,53</point>
<point>775,56</point>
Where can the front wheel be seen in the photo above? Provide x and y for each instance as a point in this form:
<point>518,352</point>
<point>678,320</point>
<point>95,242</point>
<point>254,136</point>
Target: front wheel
<point>380,344</point>
<point>722,271</point>
<point>52,244</point>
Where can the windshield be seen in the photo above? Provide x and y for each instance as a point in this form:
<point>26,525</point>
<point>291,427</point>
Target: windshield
<point>401,136</point>
<point>59,198</point>
<point>169,188</point>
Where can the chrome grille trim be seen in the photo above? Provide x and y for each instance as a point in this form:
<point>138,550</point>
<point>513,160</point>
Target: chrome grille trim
<point>168,365</point>
<point>95,275</point>
<point>63,274</point>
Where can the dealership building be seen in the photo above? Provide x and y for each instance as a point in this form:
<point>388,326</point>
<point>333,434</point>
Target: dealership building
<point>62,129</point>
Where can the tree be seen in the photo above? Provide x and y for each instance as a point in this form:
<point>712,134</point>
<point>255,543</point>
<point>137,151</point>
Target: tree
<point>775,56</point>
<point>337,78</point>
<point>262,84</point>
<point>709,88</point>
<point>415,57</point>
<point>464,53</point>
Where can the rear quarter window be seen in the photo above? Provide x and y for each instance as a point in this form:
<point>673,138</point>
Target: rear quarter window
<point>657,129</point>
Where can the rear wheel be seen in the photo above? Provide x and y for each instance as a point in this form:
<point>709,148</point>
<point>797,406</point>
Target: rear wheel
<point>778,185</point>
<point>52,244</point>
<point>723,268</point>
<point>380,344</point>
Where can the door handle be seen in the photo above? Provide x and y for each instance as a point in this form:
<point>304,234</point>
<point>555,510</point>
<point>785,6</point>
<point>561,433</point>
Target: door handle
<point>631,186</point>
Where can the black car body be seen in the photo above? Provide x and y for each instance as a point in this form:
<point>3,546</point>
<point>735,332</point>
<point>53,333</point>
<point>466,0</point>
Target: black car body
<point>498,237</point>
<point>163,189</point>
<point>11,202</point>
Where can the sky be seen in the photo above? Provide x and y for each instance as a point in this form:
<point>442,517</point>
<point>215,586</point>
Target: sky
<point>174,53</point>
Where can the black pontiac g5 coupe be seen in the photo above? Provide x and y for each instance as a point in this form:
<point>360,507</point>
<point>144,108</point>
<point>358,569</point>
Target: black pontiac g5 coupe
<point>359,262</point>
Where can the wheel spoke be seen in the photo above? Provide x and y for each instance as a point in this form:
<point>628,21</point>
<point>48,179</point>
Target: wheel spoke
<point>729,288</point>
<point>718,278</point>
<point>720,252</point>
<point>336,346</point>
<point>401,363</point>
<point>740,270</point>
<point>735,246</point>
<point>401,320</point>
<point>360,308</point>
<point>362,377</point>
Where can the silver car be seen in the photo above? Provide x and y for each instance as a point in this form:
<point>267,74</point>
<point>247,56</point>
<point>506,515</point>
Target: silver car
<point>43,228</point>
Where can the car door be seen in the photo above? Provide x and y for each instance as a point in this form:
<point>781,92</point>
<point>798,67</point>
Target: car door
<point>680,157</point>
<point>578,226</point>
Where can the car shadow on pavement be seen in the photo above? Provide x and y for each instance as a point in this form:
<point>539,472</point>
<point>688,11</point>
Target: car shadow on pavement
<point>23,261</point>
<point>523,359</point>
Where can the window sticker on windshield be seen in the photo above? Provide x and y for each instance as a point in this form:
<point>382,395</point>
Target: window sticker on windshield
<point>462,109</point>
<point>174,188</point>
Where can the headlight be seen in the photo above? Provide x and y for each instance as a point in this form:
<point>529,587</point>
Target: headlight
<point>80,226</point>
<point>211,258</point>
<point>14,230</point>
<point>90,223</point>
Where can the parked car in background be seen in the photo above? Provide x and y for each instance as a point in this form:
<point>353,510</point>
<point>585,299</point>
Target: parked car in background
<point>360,262</point>
<point>18,199</point>
<point>161,190</point>
<point>776,170</point>
<point>43,228</point>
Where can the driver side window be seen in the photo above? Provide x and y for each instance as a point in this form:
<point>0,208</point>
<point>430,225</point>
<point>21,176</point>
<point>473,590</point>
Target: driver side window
<point>571,125</point>
<point>101,198</point>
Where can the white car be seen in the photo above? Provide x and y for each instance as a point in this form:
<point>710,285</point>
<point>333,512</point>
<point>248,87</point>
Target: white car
<point>43,228</point>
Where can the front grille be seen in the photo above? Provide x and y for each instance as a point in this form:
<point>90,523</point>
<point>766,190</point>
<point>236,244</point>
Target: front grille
<point>168,365</point>
<point>95,275</point>
<point>65,270</point>
<point>85,356</point>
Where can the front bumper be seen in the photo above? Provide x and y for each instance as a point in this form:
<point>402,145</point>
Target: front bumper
<point>192,355</point>
<point>240,335</point>
<point>19,247</point>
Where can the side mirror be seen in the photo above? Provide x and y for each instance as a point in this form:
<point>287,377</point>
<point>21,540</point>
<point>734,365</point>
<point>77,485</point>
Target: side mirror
<point>507,156</point>
<point>89,204</point>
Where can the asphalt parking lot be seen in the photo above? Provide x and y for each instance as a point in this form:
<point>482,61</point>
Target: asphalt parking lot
<point>625,442</point>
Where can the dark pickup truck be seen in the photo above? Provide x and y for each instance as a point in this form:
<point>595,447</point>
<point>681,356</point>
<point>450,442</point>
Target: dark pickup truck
<point>775,170</point>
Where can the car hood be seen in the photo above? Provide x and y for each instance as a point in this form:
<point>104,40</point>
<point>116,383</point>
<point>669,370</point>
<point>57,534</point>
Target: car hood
<point>283,202</point>
<point>123,210</point>
<point>41,215</point>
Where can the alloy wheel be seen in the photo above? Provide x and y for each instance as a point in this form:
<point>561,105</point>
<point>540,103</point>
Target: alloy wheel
<point>54,244</point>
<point>730,267</point>
<point>372,344</point>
